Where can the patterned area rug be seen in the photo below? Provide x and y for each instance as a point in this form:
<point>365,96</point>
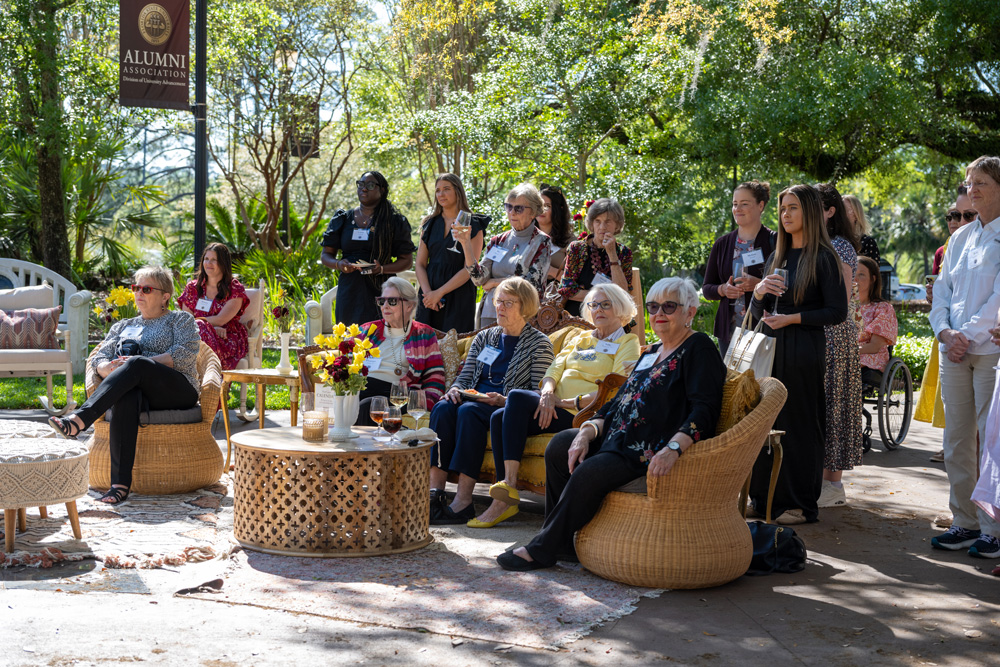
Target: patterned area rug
<point>453,586</point>
<point>144,532</point>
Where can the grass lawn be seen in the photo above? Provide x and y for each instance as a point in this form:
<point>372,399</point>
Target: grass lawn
<point>23,393</point>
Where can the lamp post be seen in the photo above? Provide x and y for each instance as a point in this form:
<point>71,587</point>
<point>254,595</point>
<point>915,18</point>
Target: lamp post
<point>285,59</point>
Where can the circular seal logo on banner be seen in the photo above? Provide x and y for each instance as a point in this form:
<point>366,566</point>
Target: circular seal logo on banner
<point>154,24</point>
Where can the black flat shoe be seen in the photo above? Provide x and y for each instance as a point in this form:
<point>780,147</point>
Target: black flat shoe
<point>511,562</point>
<point>449,517</point>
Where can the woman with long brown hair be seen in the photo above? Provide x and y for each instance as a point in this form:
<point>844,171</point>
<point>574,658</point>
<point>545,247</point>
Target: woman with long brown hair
<point>795,310</point>
<point>447,298</point>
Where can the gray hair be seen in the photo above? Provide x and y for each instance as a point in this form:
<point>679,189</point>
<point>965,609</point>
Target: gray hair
<point>605,206</point>
<point>529,192</point>
<point>406,291</point>
<point>158,275</point>
<point>622,304</point>
<point>986,164</point>
<point>681,290</point>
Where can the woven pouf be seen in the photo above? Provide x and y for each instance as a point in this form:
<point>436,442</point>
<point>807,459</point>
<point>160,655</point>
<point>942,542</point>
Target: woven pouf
<point>22,428</point>
<point>41,471</point>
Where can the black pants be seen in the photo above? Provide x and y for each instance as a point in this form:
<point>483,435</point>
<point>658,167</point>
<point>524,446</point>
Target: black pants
<point>573,500</point>
<point>375,387</point>
<point>513,424</point>
<point>124,390</point>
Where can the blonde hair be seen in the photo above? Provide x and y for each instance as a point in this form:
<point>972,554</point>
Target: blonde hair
<point>529,192</point>
<point>608,206</point>
<point>622,304</point>
<point>986,164</point>
<point>860,219</point>
<point>682,290</point>
<point>525,293</point>
<point>158,275</point>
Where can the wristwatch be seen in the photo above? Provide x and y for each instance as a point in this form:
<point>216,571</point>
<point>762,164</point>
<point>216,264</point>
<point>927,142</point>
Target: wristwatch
<point>675,446</point>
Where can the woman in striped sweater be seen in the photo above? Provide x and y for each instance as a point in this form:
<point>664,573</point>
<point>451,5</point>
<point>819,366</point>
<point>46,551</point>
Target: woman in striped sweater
<point>511,355</point>
<point>408,350</point>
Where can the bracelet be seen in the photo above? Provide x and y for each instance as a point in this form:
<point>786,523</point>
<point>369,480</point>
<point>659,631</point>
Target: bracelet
<point>578,397</point>
<point>615,263</point>
<point>590,422</point>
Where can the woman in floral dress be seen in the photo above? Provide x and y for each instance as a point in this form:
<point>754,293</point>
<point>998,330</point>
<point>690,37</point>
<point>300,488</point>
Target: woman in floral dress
<point>217,301</point>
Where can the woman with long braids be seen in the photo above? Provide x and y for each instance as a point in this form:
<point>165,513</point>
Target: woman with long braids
<point>374,242</point>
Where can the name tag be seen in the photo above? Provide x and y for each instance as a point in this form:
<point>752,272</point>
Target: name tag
<point>489,355</point>
<point>646,362</point>
<point>753,258</point>
<point>360,234</point>
<point>976,256</point>
<point>373,363</point>
<point>607,347</point>
<point>203,305</point>
<point>324,399</point>
<point>601,279</point>
<point>132,332</point>
<point>497,253</point>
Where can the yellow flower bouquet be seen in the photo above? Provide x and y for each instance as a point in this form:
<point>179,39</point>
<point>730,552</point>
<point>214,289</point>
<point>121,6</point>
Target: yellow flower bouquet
<point>341,363</point>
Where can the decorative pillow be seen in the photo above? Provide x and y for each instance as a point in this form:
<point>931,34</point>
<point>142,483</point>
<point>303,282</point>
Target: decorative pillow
<point>559,337</point>
<point>30,329</point>
<point>463,347</point>
<point>740,395</point>
<point>35,296</point>
<point>452,359</point>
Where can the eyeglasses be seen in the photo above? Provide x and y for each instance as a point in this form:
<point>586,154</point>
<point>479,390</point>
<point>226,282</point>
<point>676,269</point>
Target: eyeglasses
<point>366,185</point>
<point>393,301</point>
<point>506,303</point>
<point>599,305</point>
<point>145,289</point>
<point>668,307</point>
<point>955,215</point>
<point>518,209</point>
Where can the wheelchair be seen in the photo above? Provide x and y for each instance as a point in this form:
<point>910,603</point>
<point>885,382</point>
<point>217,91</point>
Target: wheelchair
<point>891,392</point>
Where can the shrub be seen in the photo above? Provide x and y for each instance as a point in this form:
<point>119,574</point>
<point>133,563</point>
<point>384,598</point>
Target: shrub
<point>915,351</point>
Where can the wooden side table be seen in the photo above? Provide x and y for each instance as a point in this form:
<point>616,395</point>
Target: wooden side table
<point>363,497</point>
<point>260,377</point>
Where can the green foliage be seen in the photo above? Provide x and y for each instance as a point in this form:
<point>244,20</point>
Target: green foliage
<point>915,351</point>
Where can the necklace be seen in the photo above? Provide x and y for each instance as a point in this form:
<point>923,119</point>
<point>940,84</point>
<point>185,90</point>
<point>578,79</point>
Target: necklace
<point>396,353</point>
<point>362,222</point>
<point>599,259</point>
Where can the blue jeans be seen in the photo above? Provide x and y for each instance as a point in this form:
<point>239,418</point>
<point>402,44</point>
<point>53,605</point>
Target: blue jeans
<point>513,424</point>
<point>462,429</point>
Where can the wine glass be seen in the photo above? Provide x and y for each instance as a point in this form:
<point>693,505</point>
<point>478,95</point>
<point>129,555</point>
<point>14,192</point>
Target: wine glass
<point>397,395</point>
<point>783,274</point>
<point>463,223</point>
<point>393,421</point>
<point>377,412</point>
<point>416,407</point>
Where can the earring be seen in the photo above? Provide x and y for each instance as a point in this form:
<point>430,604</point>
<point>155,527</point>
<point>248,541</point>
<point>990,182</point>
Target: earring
<point>687,324</point>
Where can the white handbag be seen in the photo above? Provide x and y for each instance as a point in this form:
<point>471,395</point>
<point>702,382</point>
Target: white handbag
<point>749,349</point>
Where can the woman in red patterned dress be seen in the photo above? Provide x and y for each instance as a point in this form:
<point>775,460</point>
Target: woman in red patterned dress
<point>217,300</point>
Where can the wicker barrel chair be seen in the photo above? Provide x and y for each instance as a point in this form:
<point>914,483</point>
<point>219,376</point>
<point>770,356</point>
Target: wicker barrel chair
<point>686,531</point>
<point>169,457</point>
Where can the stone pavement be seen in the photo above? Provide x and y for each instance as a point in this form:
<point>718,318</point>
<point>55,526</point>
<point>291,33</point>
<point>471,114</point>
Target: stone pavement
<point>873,592</point>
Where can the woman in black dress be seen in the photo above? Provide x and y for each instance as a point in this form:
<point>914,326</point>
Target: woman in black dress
<point>368,237</point>
<point>447,298</point>
<point>816,297</point>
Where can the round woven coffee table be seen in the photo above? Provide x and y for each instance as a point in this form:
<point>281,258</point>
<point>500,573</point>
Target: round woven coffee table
<point>22,428</point>
<point>41,471</point>
<point>360,498</point>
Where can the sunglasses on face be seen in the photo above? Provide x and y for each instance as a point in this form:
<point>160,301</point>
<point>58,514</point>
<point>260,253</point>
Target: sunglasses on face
<point>599,305</point>
<point>518,209</point>
<point>366,185</point>
<point>956,216</point>
<point>145,289</point>
<point>668,307</point>
<point>393,301</point>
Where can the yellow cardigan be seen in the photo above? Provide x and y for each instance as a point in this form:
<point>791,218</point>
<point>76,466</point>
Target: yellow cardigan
<point>579,365</point>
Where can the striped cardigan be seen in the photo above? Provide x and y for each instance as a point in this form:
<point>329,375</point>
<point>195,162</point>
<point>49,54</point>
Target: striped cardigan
<point>532,357</point>
<point>423,355</point>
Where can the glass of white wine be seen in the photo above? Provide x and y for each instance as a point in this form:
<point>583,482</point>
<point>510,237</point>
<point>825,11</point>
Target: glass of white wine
<point>783,274</point>
<point>463,223</point>
<point>416,407</point>
<point>398,395</point>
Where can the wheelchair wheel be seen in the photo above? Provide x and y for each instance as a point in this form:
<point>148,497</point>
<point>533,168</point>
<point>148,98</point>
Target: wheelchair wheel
<point>895,403</point>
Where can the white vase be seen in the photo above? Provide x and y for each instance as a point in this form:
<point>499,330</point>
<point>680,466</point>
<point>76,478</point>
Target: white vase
<point>345,414</point>
<point>284,366</point>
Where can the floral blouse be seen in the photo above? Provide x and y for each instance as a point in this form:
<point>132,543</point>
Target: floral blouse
<point>681,393</point>
<point>877,319</point>
<point>584,261</point>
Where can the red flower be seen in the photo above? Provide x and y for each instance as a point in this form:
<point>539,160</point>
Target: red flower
<point>364,371</point>
<point>672,365</point>
<point>346,346</point>
<point>578,217</point>
<point>280,311</point>
<point>588,203</point>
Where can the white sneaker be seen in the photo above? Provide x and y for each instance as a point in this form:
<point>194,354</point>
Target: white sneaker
<point>791,518</point>
<point>831,496</point>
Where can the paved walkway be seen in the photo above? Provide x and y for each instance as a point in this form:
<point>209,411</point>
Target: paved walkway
<point>874,592</point>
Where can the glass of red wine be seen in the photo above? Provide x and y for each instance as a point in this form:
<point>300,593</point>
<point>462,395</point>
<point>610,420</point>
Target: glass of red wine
<point>392,422</point>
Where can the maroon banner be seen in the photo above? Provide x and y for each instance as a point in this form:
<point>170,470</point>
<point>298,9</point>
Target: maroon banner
<point>154,53</point>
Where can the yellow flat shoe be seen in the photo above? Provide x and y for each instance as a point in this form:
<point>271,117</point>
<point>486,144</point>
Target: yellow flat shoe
<point>507,513</point>
<point>505,493</point>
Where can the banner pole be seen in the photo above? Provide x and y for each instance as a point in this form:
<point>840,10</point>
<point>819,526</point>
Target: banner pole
<point>200,127</point>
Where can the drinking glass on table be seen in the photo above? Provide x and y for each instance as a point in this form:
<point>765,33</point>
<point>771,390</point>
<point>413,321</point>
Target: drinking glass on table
<point>393,421</point>
<point>377,412</point>
<point>463,223</point>
<point>397,395</point>
<point>416,407</point>
<point>783,274</point>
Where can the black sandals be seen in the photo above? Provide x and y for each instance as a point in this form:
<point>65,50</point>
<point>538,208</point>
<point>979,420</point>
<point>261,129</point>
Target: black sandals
<point>116,495</point>
<point>65,427</point>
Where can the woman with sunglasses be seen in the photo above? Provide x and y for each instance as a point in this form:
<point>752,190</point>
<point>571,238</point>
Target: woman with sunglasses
<point>217,301</point>
<point>408,350</point>
<point>670,401</point>
<point>599,259</point>
<point>512,355</point>
<point>368,237</point>
<point>795,311</point>
<point>148,362</point>
<point>570,384</point>
<point>521,251</point>
<point>447,297</point>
